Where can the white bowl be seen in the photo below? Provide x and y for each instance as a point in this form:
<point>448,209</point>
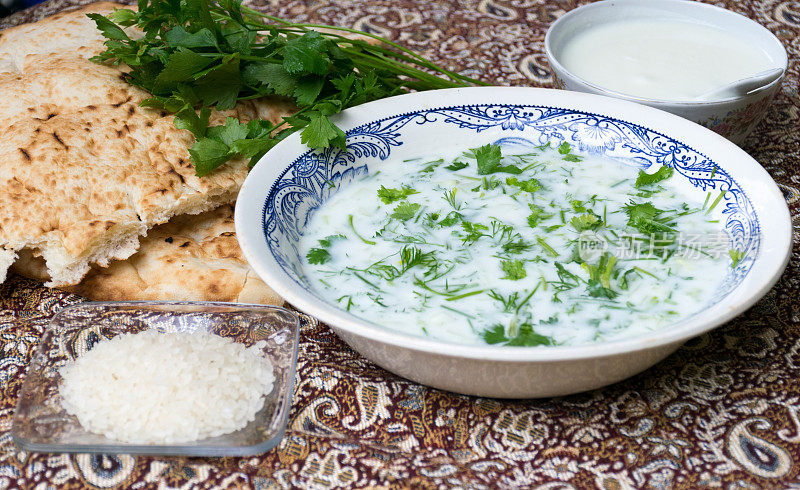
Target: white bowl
<point>290,182</point>
<point>733,117</point>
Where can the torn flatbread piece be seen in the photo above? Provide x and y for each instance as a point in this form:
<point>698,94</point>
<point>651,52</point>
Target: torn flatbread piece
<point>85,170</point>
<point>191,258</point>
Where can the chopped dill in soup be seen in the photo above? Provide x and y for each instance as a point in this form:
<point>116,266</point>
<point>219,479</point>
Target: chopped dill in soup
<point>546,247</point>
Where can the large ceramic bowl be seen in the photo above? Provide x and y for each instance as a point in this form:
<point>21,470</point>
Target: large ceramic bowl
<point>291,182</point>
<point>733,117</point>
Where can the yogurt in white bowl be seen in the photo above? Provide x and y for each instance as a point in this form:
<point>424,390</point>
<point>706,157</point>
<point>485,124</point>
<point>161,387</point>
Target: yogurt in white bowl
<point>290,184</point>
<point>662,58</point>
<point>666,53</point>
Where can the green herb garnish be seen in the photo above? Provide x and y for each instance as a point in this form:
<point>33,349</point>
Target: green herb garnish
<point>716,201</point>
<point>537,214</point>
<point>405,211</point>
<point>474,231</point>
<point>588,221</point>
<point>599,284</point>
<point>452,218</point>
<point>647,218</point>
<point>524,337</point>
<point>198,54</point>
<point>450,197</point>
<point>488,158</point>
<point>355,232</point>
<point>644,179</point>
<point>389,196</point>
<point>318,256</point>
<point>517,246</point>
<point>457,165</point>
<point>546,247</point>
<point>566,150</point>
<point>321,254</point>
<point>736,257</point>
<point>513,269</point>
<point>530,185</point>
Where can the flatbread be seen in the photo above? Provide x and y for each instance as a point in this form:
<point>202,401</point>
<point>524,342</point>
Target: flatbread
<point>85,170</point>
<point>191,258</point>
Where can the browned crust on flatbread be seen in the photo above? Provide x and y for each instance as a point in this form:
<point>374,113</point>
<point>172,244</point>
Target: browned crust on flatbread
<point>191,258</point>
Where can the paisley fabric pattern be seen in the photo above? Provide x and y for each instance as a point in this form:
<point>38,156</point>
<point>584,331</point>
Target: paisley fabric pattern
<point>723,411</point>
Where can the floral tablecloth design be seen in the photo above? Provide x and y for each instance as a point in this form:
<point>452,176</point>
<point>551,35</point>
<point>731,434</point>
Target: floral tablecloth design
<point>724,411</point>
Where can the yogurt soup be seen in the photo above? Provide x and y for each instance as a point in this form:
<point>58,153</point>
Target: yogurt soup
<point>660,58</point>
<point>541,248</point>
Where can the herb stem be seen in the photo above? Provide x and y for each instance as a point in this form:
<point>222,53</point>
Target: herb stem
<point>457,311</point>
<point>465,295</point>
<point>528,297</point>
<point>639,269</point>
<point>366,281</point>
<point>716,201</point>
<point>410,56</point>
<point>352,227</point>
<point>547,248</point>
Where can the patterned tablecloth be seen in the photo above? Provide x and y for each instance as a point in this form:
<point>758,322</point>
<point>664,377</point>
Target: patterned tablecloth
<point>724,411</point>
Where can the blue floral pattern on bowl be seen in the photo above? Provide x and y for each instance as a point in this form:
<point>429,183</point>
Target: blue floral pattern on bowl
<point>311,178</point>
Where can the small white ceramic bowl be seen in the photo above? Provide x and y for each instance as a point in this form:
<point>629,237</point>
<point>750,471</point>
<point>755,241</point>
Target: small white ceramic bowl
<point>733,118</point>
<point>290,182</point>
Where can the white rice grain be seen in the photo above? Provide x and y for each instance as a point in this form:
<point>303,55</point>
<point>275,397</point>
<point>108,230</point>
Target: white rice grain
<point>166,388</point>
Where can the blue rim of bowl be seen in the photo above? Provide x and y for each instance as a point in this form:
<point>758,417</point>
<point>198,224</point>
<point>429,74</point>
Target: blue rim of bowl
<point>554,61</point>
<point>677,332</point>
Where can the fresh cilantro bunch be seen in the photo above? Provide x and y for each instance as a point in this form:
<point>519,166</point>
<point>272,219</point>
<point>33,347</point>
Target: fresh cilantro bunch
<point>199,54</point>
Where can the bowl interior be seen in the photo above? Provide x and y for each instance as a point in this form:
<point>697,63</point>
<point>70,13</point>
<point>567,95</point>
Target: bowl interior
<point>599,13</point>
<point>276,204</point>
<point>41,424</point>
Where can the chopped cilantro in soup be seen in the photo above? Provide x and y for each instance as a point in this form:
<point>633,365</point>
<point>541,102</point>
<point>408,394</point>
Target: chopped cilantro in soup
<point>541,248</point>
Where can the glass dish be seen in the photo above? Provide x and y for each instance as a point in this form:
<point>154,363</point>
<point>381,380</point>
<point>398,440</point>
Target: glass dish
<point>40,423</point>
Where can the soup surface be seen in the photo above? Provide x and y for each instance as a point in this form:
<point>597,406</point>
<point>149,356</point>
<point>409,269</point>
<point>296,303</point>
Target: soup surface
<point>541,247</point>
